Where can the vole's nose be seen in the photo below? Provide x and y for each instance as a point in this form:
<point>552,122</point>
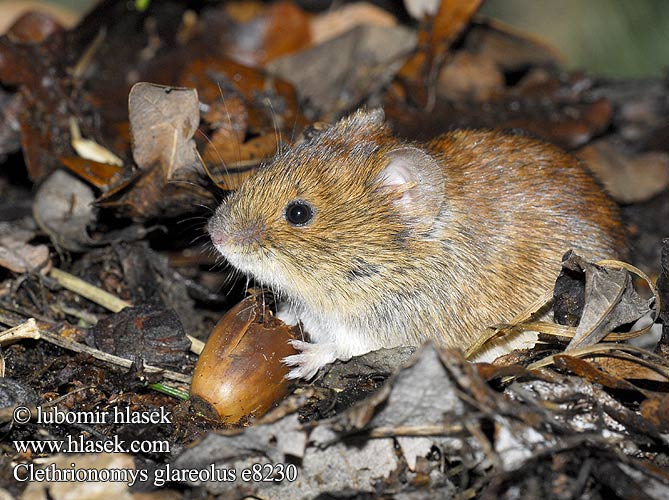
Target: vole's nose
<point>218,238</point>
<point>246,236</point>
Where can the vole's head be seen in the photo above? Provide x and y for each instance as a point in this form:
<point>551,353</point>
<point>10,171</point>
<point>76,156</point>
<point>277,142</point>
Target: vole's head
<point>330,217</point>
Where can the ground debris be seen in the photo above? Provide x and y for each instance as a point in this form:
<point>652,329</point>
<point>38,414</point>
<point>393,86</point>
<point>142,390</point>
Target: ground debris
<point>121,135</point>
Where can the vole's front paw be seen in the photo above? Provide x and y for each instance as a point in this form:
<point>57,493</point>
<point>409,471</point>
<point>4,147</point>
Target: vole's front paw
<point>312,358</point>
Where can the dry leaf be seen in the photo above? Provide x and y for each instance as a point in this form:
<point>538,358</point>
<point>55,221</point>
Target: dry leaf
<point>162,121</point>
<point>332,23</point>
<point>629,369</point>
<point>358,63</point>
<point>17,255</point>
<point>100,175</point>
<point>629,178</point>
<point>610,301</point>
<point>585,369</point>
<point>63,208</point>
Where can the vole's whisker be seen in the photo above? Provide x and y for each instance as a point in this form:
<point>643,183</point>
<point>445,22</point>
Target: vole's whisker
<point>237,139</point>
<point>277,131</point>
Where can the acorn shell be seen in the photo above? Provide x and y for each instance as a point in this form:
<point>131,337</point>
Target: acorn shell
<point>240,372</point>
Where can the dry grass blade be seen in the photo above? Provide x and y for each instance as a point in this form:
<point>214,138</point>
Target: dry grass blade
<point>521,322</point>
<point>91,292</point>
<point>490,333</point>
<point>30,330</point>
<point>608,349</point>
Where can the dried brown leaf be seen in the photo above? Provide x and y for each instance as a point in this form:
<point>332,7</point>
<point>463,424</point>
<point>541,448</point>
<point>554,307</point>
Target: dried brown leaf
<point>596,375</point>
<point>162,122</point>
<point>629,178</point>
<point>100,175</point>
<point>358,63</point>
<point>631,369</point>
<point>610,301</point>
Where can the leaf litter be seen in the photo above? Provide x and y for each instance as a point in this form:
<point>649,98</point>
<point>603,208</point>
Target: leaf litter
<point>102,293</point>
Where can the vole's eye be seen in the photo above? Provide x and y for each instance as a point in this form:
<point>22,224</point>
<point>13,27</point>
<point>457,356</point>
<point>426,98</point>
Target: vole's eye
<point>299,213</point>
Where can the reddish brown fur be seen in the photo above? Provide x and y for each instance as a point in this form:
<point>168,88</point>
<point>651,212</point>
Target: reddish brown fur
<point>373,275</point>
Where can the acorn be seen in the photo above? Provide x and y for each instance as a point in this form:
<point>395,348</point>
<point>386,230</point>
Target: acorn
<point>240,373</point>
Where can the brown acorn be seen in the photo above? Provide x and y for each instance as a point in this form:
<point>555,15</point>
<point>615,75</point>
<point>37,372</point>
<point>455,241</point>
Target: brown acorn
<point>239,371</point>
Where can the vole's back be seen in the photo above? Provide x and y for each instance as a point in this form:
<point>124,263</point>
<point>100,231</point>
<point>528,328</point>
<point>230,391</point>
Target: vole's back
<point>513,207</point>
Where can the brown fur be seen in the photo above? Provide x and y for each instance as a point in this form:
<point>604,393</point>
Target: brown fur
<point>476,249</point>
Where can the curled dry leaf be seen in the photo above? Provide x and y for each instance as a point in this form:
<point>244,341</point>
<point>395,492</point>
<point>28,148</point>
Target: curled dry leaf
<point>162,121</point>
<point>240,371</point>
<point>63,208</point>
<point>610,301</point>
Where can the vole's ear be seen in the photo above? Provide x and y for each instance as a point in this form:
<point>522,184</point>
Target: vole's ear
<point>416,182</point>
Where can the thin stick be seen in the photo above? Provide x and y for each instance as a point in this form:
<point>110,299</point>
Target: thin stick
<point>30,330</point>
<point>102,298</point>
<point>91,292</point>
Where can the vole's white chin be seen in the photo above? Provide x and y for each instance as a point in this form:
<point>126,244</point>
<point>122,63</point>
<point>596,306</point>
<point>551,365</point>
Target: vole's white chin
<point>262,270</point>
